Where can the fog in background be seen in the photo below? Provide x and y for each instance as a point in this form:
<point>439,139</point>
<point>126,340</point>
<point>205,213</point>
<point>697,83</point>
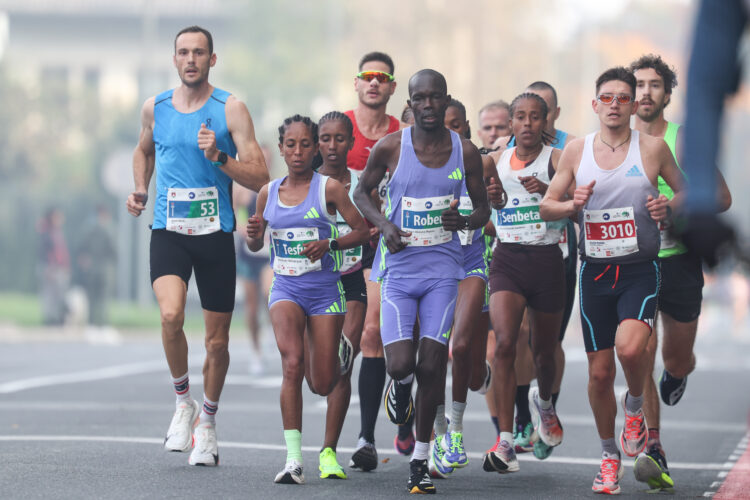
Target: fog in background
<point>74,74</point>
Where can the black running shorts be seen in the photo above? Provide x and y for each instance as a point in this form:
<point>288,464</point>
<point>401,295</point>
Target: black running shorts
<point>612,293</point>
<point>355,287</point>
<point>681,290</point>
<point>211,255</point>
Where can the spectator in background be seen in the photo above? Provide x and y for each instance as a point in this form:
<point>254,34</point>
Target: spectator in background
<point>54,267</point>
<point>96,257</point>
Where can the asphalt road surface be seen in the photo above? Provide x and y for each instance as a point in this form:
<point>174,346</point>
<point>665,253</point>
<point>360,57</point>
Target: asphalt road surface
<point>85,418</point>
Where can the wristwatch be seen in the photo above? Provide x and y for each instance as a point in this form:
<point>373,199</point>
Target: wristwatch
<point>333,244</point>
<point>222,160</point>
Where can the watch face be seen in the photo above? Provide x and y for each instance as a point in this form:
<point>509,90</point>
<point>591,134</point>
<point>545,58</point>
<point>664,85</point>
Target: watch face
<point>334,245</point>
<point>222,158</point>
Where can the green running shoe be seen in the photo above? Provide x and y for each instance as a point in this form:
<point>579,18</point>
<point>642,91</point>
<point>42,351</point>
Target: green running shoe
<point>329,467</point>
<point>522,438</point>
<point>651,468</point>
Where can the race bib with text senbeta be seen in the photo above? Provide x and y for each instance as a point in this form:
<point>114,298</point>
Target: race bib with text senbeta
<point>610,233</point>
<point>193,211</point>
<point>288,245</point>
<point>422,217</point>
<point>520,220</point>
<point>465,207</point>
<point>352,255</point>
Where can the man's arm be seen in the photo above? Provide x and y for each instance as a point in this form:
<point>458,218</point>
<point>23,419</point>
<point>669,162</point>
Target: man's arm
<point>250,169</point>
<point>384,153</point>
<point>474,171</point>
<point>144,157</point>
<point>660,207</point>
<point>555,204</point>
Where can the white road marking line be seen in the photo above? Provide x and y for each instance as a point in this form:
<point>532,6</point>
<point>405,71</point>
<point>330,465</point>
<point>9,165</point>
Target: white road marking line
<point>316,449</point>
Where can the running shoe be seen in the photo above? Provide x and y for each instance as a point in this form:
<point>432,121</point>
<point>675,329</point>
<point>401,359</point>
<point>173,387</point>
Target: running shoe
<point>329,466</point>
<point>365,457</point>
<point>546,423</point>
<point>542,450</point>
<point>345,354</point>
<point>487,379</point>
<point>455,454</point>
<point>435,464</point>
<point>206,451</point>
<point>292,474</point>
<point>634,434</point>
<point>651,467</point>
<point>398,402</point>
<point>522,442</point>
<point>608,479</point>
<point>405,446</point>
<point>180,433</point>
<point>419,478</point>
<point>671,388</point>
<point>501,458</point>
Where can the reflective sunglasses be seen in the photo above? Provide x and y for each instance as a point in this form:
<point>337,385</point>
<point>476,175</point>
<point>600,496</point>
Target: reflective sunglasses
<point>609,98</point>
<point>380,76</point>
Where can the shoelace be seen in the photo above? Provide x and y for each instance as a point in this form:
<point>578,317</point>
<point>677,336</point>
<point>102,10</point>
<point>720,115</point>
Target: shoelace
<point>549,417</point>
<point>456,443</point>
<point>206,442</point>
<point>608,471</point>
<point>633,425</point>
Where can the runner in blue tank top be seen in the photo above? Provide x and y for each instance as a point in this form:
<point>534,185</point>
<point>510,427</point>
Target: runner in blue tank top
<point>198,139</point>
<point>614,173</point>
<point>306,302</point>
<point>469,339</point>
<point>419,259</point>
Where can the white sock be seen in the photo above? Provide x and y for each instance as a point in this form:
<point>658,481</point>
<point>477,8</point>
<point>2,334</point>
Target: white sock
<point>182,388</point>
<point>457,416</point>
<point>507,436</point>
<point>545,405</point>
<point>441,425</point>
<point>421,451</point>
<point>208,413</point>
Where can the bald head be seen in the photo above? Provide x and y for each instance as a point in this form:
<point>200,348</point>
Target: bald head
<point>428,78</point>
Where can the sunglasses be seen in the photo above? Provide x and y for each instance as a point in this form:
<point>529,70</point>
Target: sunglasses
<point>609,98</point>
<point>380,76</point>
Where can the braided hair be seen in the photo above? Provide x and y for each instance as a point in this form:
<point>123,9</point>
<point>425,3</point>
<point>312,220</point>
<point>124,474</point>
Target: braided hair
<point>546,137</point>
<point>337,116</point>
<point>311,125</point>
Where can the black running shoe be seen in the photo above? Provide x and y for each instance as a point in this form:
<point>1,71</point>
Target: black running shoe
<point>671,388</point>
<point>365,457</point>
<point>651,468</point>
<point>419,478</point>
<point>398,402</point>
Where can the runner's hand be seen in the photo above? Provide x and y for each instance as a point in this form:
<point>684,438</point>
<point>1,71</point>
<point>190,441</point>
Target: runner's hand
<point>532,184</point>
<point>315,250</point>
<point>136,203</point>
<point>207,143</point>
<point>393,237</point>
<point>452,220</point>
<point>582,195</point>
<point>374,231</point>
<point>657,207</point>
<point>495,193</point>
<point>253,228</point>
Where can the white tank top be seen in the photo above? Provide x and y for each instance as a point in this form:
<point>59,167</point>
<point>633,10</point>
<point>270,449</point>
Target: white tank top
<point>615,224</point>
<point>519,221</point>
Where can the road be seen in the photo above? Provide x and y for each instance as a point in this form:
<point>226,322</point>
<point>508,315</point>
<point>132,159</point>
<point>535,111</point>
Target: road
<point>86,419</point>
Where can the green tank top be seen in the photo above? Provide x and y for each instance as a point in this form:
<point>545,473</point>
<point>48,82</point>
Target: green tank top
<point>670,137</point>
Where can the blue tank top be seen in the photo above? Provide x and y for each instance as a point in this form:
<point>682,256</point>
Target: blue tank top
<point>184,177</point>
<point>292,226</point>
<point>416,195</point>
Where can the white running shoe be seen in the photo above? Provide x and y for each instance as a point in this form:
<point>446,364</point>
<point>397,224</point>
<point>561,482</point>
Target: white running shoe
<point>180,433</point>
<point>206,451</point>
<point>292,474</point>
<point>546,423</point>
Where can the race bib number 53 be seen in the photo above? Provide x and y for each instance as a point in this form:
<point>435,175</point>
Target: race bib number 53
<point>610,233</point>
<point>193,211</point>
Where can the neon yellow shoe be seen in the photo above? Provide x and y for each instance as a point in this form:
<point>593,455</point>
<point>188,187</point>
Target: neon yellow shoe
<point>329,466</point>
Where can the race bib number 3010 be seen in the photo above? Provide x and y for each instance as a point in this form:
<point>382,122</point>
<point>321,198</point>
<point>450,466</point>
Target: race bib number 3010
<point>610,233</point>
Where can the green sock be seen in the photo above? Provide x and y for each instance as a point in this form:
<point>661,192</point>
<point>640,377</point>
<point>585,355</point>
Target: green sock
<point>293,440</point>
